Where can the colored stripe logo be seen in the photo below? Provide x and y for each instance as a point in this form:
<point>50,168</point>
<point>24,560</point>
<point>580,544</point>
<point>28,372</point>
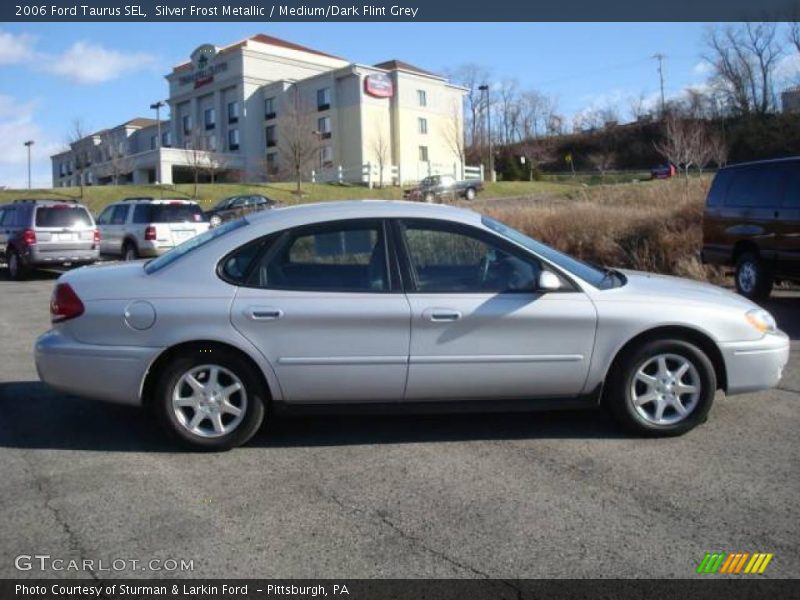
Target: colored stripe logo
<point>734,563</point>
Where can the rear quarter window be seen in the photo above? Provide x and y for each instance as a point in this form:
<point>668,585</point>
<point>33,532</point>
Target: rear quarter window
<point>719,187</point>
<point>63,215</point>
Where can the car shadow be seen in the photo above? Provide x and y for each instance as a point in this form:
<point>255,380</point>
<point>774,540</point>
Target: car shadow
<point>36,417</point>
<point>38,275</point>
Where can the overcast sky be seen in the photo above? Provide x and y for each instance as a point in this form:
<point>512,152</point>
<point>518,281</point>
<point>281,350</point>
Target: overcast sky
<point>105,74</point>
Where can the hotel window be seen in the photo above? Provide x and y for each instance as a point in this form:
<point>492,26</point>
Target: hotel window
<point>324,127</point>
<point>210,118</point>
<point>233,139</point>
<point>187,124</point>
<point>269,108</point>
<point>211,143</point>
<point>233,112</point>
<point>153,142</point>
<point>326,156</point>
<point>323,99</point>
<point>422,98</point>
<point>166,140</point>
<point>270,135</point>
<point>422,123</point>
<point>272,163</point>
<point>423,154</point>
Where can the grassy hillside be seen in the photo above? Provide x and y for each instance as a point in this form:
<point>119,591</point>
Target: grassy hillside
<point>97,197</point>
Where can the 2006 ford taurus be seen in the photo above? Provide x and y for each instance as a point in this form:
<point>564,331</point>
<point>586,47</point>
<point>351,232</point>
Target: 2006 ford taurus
<point>395,304</point>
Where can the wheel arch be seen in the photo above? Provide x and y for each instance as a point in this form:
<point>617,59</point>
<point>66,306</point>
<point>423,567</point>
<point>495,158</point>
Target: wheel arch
<point>150,378</point>
<point>743,246</point>
<point>679,332</point>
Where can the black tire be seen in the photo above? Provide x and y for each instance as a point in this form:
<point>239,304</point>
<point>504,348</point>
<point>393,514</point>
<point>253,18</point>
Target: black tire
<point>17,270</point>
<point>754,280</point>
<point>470,194</point>
<point>619,395</point>
<point>129,252</point>
<point>253,389</point>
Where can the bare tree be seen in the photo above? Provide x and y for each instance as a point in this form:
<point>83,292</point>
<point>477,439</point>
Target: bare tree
<point>719,149</point>
<point>794,34</point>
<point>537,150</point>
<point>74,138</point>
<point>454,133</point>
<point>471,76</point>
<point>679,144</point>
<point>196,156</point>
<point>297,142</point>
<point>382,151</point>
<point>638,107</point>
<point>509,109</point>
<point>115,158</point>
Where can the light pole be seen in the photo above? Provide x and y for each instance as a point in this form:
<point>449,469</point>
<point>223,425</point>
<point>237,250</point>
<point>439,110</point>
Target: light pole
<point>485,88</point>
<point>28,144</point>
<point>156,106</point>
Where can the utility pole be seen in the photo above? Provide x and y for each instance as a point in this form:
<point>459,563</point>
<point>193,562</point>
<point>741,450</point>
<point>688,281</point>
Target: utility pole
<point>660,58</point>
<point>156,106</point>
<point>28,144</point>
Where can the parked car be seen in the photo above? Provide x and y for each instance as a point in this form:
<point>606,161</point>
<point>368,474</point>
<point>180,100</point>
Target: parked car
<point>38,233</point>
<point>435,188</point>
<point>143,227</point>
<point>234,207</point>
<point>663,171</point>
<point>752,221</point>
<point>395,305</point>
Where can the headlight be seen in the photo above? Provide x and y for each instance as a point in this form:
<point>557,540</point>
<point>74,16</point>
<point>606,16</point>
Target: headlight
<point>761,320</point>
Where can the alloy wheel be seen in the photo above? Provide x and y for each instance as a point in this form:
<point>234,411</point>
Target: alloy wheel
<point>665,389</point>
<point>747,276</point>
<point>209,401</point>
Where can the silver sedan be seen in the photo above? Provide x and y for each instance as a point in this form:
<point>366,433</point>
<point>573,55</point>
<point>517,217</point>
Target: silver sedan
<point>395,305</point>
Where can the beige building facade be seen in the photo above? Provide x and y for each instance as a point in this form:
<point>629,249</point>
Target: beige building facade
<point>263,108</point>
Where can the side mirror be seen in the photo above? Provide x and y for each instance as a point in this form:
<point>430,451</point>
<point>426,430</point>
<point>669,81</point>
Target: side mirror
<point>549,282</point>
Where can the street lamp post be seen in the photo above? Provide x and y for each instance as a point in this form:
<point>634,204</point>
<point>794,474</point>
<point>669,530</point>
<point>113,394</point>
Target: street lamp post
<point>156,106</point>
<point>485,89</point>
<point>28,144</point>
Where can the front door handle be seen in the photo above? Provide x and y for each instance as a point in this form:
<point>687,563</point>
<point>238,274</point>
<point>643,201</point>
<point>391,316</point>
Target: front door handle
<point>264,313</point>
<point>441,315</point>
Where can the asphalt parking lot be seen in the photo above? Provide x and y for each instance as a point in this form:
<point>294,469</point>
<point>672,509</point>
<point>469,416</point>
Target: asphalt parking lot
<point>511,496</point>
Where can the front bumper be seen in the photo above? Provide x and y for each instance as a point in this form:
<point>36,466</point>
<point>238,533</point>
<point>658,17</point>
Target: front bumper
<point>756,365</point>
<point>110,373</point>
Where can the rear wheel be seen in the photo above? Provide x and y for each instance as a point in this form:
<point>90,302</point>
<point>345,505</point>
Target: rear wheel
<point>753,278</point>
<point>662,388</point>
<point>470,194</point>
<point>215,221</point>
<point>16,268</point>
<point>129,252</point>
<point>210,399</point>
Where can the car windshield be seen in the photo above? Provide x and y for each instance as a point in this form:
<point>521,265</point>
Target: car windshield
<point>222,203</point>
<point>63,215</point>
<point>599,278</point>
<point>192,244</point>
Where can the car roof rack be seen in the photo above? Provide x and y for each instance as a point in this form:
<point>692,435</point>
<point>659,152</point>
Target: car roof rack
<point>137,198</point>
<point>55,200</point>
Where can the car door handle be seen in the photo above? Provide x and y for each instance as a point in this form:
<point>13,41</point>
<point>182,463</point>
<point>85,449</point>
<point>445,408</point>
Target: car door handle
<point>264,314</point>
<point>441,315</point>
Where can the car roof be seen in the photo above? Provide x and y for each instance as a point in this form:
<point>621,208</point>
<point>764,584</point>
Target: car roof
<point>755,163</point>
<point>366,209</point>
<point>148,200</point>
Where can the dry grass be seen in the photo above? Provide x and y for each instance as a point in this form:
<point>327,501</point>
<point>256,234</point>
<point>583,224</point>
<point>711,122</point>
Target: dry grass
<point>653,226</point>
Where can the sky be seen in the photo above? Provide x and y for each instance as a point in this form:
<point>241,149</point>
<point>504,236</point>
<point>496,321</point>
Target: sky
<point>105,74</point>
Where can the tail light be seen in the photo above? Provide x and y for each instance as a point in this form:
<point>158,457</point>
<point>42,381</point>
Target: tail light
<point>96,236</point>
<point>29,237</point>
<point>65,304</point>
<point>150,233</point>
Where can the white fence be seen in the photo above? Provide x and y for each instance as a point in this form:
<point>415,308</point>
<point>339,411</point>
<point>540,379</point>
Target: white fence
<point>370,173</point>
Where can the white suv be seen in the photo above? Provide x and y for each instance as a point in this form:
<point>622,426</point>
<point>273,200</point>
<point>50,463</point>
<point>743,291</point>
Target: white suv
<point>137,227</point>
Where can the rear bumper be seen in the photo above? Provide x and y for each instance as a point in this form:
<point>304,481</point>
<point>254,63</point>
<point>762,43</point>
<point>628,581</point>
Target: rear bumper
<point>758,365</point>
<point>109,373</point>
<point>39,255</point>
<point>151,249</point>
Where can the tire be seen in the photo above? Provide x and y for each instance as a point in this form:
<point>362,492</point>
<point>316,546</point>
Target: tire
<point>638,375</point>
<point>753,278</point>
<point>470,194</point>
<point>178,417</point>
<point>129,252</point>
<point>17,271</point>
<point>215,221</point>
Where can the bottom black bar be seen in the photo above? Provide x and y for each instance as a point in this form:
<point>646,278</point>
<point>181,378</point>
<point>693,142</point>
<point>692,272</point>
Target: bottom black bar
<point>735,588</point>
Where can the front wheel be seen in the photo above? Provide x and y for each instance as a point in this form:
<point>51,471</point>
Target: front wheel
<point>662,388</point>
<point>470,194</point>
<point>753,278</point>
<point>215,221</point>
<point>210,399</point>
<point>129,252</point>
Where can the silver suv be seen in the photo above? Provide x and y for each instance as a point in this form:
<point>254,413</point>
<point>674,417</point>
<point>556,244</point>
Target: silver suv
<point>138,227</point>
<point>46,233</point>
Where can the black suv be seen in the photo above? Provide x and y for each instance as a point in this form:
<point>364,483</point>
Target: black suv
<point>46,233</point>
<point>752,221</point>
<point>234,207</point>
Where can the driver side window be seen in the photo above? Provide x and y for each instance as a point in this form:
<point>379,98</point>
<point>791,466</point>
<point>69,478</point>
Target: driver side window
<point>455,260</point>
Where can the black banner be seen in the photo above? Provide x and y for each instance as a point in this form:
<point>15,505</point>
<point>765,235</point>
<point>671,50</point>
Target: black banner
<point>400,10</point>
<point>736,588</point>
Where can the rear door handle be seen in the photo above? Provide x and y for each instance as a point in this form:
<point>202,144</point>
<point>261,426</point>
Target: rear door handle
<point>264,313</point>
<point>441,315</point>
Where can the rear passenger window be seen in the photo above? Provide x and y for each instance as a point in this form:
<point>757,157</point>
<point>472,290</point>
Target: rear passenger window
<point>791,190</point>
<point>236,265</point>
<point>119,215</point>
<point>756,187</point>
<point>350,257</point>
